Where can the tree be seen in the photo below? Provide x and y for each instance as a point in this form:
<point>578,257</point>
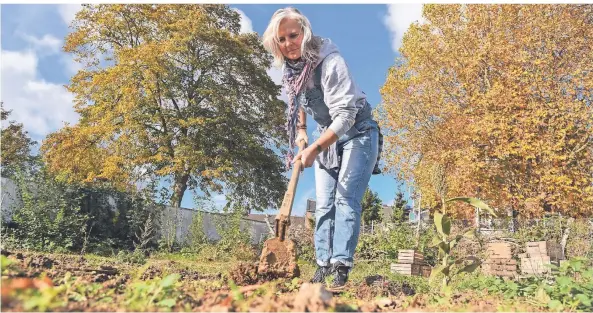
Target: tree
<point>174,93</point>
<point>399,207</point>
<point>371,207</point>
<point>16,145</point>
<point>495,101</point>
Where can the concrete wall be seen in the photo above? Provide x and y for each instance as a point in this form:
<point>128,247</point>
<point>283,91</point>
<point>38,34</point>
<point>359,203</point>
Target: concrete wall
<point>10,199</point>
<point>183,217</point>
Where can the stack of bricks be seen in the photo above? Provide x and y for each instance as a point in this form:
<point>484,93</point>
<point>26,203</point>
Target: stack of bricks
<point>410,262</point>
<point>499,261</point>
<point>539,254</point>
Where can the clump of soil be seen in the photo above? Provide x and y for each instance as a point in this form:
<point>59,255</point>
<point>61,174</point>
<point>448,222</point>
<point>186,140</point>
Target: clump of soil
<point>378,286</point>
<point>39,261</point>
<point>151,272</point>
<point>244,274</point>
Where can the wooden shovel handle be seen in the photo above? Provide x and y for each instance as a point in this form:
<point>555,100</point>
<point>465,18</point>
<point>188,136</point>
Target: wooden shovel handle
<point>286,207</point>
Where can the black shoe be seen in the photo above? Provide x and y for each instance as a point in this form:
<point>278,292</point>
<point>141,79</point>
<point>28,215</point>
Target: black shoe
<point>320,274</point>
<point>340,275</point>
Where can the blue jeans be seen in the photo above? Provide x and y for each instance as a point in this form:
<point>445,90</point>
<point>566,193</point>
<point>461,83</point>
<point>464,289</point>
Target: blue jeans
<point>339,195</point>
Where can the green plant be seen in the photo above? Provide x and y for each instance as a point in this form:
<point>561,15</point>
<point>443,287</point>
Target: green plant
<point>135,257</point>
<point>197,238</point>
<point>571,287</point>
<point>568,288</point>
<point>161,293</point>
<point>50,218</point>
<point>384,244</point>
<point>446,243</point>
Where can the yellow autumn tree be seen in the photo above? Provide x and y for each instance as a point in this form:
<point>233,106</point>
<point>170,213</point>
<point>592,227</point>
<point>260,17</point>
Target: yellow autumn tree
<point>171,93</point>
<point>495,101</point>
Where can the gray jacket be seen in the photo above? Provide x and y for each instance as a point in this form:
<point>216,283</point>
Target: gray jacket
<point>335,101</point>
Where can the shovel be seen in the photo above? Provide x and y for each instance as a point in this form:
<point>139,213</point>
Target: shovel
<point>278,258</point>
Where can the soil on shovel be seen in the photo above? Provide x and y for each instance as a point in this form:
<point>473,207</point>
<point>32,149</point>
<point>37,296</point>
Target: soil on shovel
<point>278,259</point>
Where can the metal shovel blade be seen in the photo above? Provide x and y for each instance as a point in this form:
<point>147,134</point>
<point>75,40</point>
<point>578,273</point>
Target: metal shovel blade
<point>278,258</point>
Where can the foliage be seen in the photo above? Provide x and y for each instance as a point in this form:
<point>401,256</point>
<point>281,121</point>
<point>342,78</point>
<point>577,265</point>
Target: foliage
<point>120,220</point>
<point>447,243</point>
<point>232,236</point>
<point>580,240</point>
<point>372,208</point>
<point>570,287</point>
<point>153,294</point>
<point>305,245</point>
<point>506,110</point>
<point>57,216</point>
<point>383,245</point>
<point>233,242</point>
<point>16,145</point>
<point>197,238</point>
<point>176,95</point>
<point>50,218</point>
<point>398,209</point>
<point>135,257</point>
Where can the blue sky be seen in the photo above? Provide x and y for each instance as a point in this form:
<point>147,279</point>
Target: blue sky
<point>35,70</point>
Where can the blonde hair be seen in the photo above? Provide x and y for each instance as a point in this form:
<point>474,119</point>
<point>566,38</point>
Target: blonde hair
<point>310,44</point>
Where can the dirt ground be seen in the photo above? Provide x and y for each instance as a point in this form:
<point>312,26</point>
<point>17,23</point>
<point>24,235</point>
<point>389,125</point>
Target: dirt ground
<point>38,282</point>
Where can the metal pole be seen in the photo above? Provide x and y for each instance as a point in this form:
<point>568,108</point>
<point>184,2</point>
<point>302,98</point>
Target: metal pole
<point>419,216</point>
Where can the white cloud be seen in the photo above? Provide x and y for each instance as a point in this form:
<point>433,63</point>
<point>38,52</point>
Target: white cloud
<point>68,12</point>
<point>246,25</point>
<point>48,44</point>
<point>71,67</point>
<point>274,72</point>
<point>398,19</point>
<point>276,75</point>
<point>41,106</point>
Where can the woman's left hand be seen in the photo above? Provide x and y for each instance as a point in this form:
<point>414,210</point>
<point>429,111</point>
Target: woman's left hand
<point>307,155</point>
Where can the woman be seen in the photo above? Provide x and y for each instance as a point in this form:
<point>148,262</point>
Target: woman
<point>318,82</point>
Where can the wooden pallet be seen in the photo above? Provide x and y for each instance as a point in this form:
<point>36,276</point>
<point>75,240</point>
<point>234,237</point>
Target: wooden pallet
<point>545,248</point>
<point>499,250</point>
<point>406,269</point>
<point>535,265</point>
<point>512,262</point>
<point>502,273</point>
<point>500,267</point>
<point>410,257</point>
<point>426,270</point>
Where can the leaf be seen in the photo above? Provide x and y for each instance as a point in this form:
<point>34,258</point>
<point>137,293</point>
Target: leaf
<point>444,247</point>
<point>435,271</point>
<point>169,280</point>
<point>446,225</point>
<point>455,241</point>
<point>470,234</point>
<point>167,302</point>
<point>442,223</point>
<point>555,305</point>
<point>470,267</point>
<point>583,299</point>
<point>474,202</point>
<point>438,222</point>
<point>436,240</point>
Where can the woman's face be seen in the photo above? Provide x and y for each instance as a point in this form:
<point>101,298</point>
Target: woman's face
<point>290,37</point>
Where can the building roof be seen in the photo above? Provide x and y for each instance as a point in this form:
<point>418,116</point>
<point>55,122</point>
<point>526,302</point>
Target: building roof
<point>294,220</point>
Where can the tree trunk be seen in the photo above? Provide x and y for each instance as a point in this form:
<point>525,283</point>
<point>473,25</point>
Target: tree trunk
<point>179,189</point>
